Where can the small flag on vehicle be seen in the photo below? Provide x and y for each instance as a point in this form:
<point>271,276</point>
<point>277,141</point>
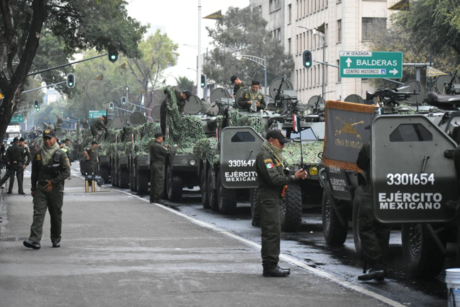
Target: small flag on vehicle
<point>295,123</point>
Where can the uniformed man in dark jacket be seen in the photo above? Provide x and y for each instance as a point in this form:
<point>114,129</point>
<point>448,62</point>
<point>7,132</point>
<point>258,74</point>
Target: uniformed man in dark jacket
<point>375,236</point>
<point>58,123</point>
<point>237,85</point>
<point>26,158</point>
<point>181,100</point>
<point>50,167</point>
<point>84,123</point>
<point>252,99</point>
<point>272,184</point>
<point>158,154</point>
<point>98,125</point>
<point>92,159</point>
<point>14,158</point>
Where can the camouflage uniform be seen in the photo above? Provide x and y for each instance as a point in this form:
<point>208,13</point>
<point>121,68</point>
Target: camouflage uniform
<point>158,155</point>
<point>237,87</point>
<point>247,95</point>
<point>91,164</point>
<point>14,158</point>
<point>96,126</point>
<point>163,108</point>
<point>374,235</point>
<point>26,158</point>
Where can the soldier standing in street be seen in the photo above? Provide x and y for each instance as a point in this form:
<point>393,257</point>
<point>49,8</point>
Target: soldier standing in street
<point>272,184</point>
<point>50,167</point>
<point>26,158</point>
<point>158,155</point>
<point>250,96</point>
<point>238,84</point>
<point>58,123</point>
<point>375,236</point>
<point>92,159</point>
<point>14,158</point>
<point>181,99</point>
<point>98,125</point>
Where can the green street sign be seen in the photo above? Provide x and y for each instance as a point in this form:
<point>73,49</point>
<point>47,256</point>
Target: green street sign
<point>370,64</point>
<point>17,118</point>
<point>96,114</point>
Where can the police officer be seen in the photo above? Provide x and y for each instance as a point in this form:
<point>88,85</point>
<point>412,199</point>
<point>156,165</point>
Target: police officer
<point>375,236</point>
<point>181,98</point>
<point>238,84</point>
<point>98,125</point>
<point>272,183</point>
<point>252,96</point>
<point>158,154</point>
<point>14,158</point>
<point>26,158</point>
<point>50,167</point>
<point>58,123</point>
<point>91,158</point>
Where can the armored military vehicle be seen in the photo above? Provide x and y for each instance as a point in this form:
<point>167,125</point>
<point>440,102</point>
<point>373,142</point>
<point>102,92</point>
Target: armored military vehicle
<point>227,157</point>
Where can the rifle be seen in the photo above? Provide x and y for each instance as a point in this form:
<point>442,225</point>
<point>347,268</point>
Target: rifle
<point>451,83</point>
<point>278,92</point>
<point>390,97</point>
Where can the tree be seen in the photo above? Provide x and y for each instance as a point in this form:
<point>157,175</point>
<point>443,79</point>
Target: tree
<point>185,84</point>
<point>78,24</point>
<point>242,31</point>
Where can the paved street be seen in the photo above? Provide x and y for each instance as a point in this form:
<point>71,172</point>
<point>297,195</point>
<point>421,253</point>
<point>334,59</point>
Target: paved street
<point>119,250</point>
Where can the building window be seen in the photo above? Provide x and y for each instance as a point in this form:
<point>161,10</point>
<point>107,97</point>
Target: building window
<point>314,76</point>
<point>327,3</point>
<point>297,9</point>
<point>274,5</point>
<point>339,31</point>
<point>325,34</point>
<point>304,42</point>
<point>300,43</point>
<point>300,9</point>
<point>297,78</point>
<point>371,26</point>
<point>289,46</point>
<point>290,13</point>
<point>319,75</point>
<point>326,72</point>
<point>314,5</point>
<point>338,71</point>
<point>304,79</point>
<point>279,34</point>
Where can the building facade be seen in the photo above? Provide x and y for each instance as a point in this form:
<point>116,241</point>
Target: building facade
<point>347,27</point>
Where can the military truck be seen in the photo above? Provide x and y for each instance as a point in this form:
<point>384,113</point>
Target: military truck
<point>226,158</point>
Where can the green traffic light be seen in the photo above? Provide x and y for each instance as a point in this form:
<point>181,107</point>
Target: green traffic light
<point>113,57</point>
<point>308,63</point>
<point>70,84</point>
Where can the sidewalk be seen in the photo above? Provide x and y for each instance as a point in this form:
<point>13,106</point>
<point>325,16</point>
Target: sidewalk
<point>118,250</point>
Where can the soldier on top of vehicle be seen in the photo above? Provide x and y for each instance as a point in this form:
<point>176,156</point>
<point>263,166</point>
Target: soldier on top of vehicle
<point>252,99</point>
<point>98,125</point>
<point>58,123</point>
<point>181,99</point>
<point>238,84</point>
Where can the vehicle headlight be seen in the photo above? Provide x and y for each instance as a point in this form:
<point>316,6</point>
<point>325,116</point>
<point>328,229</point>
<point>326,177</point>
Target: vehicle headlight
<point>192,162</point>
<point>313,171</point>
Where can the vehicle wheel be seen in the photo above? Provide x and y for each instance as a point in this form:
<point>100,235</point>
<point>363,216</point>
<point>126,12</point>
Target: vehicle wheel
<point>212,194</point>
<point>142,178</point>
<point>253,200</point>
<point>422,255</point>
<point>173,185</point>
<point>356,208</point>
<point>113,170</point>
<point>334,232</point>
<point>131,175</point>
<point>105,173</point>
<point>204,188</point>
<point>226,198</point>
<point>291,210</point>
<point>134,172</point>
<point>124,178</point>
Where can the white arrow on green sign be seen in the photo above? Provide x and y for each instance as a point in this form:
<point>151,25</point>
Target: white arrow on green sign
<point>96,114</point>
<point>370,64</point>
<point>19,118</point>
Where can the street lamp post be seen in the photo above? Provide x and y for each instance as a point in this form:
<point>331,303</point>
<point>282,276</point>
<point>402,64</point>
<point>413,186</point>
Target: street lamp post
<point>261,61</point>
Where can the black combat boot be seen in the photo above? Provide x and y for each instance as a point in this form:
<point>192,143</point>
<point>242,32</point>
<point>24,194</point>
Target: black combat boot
<point>276,272</point>
<point>31,244</point>
<point>377,274</point>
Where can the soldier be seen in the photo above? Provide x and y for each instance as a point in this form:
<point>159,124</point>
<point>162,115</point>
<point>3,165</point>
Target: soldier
<point>272,183</point>
<point>58,123</point>
<point>375,236</point>
<point>26,158</point>
<point>181,99</point>
<point>158,155</point>
<point>238,84</point>
<point>91,158</point>
<point>84,123</point>
<point>14,157</point>
<point>48,126</point>
<point>252,96</point>
<point>98,125</point>
<point>50,167</point>
<point>68,146</point>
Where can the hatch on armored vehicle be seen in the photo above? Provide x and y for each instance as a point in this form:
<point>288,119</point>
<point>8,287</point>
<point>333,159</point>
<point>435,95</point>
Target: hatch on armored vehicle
<point>419,88</point>
<point>116,123</point>
<point>137,119</point>
<point>442,80</point>
<point>156,113</point>
<point>354,98</point>
<point>193,105</point>
<point>275,86</point>
<point>316,104</point>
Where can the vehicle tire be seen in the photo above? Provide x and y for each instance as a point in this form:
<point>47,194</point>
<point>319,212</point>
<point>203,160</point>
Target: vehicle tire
<point>226,198</point>
<point>124,178</point>
<point>421,254</point>
<point>253,200</point>
<point>334,232</point>
<point>134,171</point>
<point>204,188</point>
<point>355,216</point>
<point>173,185</point>
<point>291,210</point>
<point>212,193</point>
<point>113,170</point>
<point>142,182</point>
<point>131,170</point>
<point>105,173</point>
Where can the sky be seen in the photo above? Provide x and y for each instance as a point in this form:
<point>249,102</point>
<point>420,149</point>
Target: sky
<point>179,19</point>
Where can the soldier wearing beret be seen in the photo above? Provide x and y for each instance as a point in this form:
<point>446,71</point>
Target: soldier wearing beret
<point>14,164</point>
<point>252,99</point>
<point>238,84</point>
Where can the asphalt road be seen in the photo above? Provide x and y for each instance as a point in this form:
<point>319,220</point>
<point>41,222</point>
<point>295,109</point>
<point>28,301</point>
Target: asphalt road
<point>307,245</point>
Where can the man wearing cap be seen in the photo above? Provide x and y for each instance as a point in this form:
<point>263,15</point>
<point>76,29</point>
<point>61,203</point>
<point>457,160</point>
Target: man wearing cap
<point>252,96</point>
<point>26,158</point>
<point>13,160</point>
<point>158,154</point>
<point>50,167</point>
<point>272,184</point>
<point>98,125</point>
<point>91,158</point>
<point>181,98</point>
<point>238,84</point>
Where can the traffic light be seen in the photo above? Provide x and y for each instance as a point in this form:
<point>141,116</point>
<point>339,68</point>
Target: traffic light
<point>113,54</point>
<point>36,105</point>
<point>111,106</point>
<point>203,80</point>
<point>307,59</point>
<point>123,100</point>
<point>70,80</point>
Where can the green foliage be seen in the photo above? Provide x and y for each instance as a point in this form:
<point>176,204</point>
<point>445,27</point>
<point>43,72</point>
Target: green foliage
<point>185,84</point>
<point>242,31</point>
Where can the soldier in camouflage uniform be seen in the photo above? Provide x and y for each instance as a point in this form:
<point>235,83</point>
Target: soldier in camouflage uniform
<point>181,99</point>
<point>252,96</point>
<point>98,125</point>
<point>272,183</point>
<point>238,84</point>
<point>50,167</point>
<point>158,155</point>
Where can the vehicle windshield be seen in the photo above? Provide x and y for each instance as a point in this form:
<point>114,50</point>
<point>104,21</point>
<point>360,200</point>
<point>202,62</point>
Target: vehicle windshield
<point>307,135</point>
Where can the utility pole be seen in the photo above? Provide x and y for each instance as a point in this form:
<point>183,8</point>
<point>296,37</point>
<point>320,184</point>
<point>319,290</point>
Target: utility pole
<point>198,70</point>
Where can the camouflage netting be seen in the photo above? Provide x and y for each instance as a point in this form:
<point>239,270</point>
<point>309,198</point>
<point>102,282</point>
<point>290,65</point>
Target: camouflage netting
<point>291,152</point>
<point>145,136</point>
<point>206,149</point>
<point>236,118</point>
<point>185,131</point>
